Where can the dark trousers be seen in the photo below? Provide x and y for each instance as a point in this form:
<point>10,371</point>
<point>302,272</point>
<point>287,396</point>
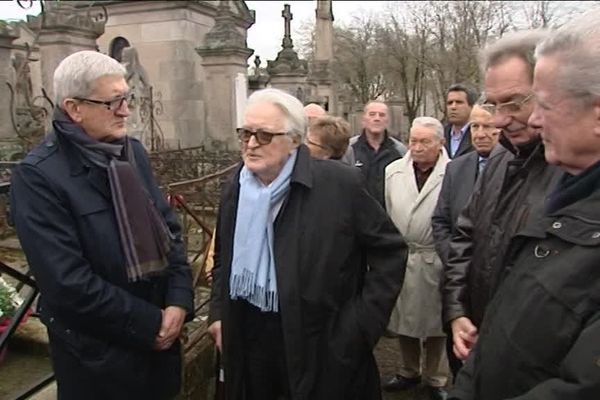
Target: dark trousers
<point>265,370</point>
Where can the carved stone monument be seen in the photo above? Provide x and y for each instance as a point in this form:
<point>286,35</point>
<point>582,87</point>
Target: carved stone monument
<point>287,72</point>
<point>320,78</point>
<point>139,85</point>
<point>8,33</point>
<point>65,31</point>
<point>224,57</point>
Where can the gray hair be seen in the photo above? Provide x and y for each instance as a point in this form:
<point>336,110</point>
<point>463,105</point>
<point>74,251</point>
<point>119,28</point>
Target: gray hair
<point>76,74</point>
<point>291,107</point>
<point>374,102</point>
<point>577,43</point>
<point>431,123</point>
<point>515,44</point>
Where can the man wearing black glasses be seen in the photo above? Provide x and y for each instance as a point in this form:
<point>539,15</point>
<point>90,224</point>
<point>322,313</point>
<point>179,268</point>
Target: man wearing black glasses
<point>507,196</point>
<point>294,309</point>
<point>103,245</point>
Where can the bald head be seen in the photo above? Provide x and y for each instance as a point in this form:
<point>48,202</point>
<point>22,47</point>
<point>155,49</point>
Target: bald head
<point>313,111</point>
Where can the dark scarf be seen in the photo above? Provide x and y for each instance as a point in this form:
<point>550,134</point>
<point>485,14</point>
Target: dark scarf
<point>572,188</point>
<point>143,233</point>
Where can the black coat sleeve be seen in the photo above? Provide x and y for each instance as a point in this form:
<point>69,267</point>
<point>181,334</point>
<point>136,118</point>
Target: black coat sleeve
<point>48,234</point>
<point>456,269</point>
<point>386,255</point>
<point>441,221</point>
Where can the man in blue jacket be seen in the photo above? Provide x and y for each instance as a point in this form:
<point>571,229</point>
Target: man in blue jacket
<point>102,243</point>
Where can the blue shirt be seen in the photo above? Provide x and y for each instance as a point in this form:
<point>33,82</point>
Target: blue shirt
<point>456,138</point>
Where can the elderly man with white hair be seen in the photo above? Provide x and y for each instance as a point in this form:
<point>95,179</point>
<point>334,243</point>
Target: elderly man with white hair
<point>294,308</point>
<point>103,245</point>
<point>540,338</point>
<point>412,187</point>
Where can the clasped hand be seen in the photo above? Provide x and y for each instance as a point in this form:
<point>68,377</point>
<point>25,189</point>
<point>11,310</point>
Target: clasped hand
<point>173,318</point>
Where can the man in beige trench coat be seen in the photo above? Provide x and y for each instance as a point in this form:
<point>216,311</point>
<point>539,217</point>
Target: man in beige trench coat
<point>412,187</point>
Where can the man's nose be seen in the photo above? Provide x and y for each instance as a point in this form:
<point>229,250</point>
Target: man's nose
<point>480,134</point>
<point>123,110</point>
<point>253,142</point>
<point>535,120</point>
<point>501,120</point>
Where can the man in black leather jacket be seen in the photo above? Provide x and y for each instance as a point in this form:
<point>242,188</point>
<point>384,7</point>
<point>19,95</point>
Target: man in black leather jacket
<point>507,194</point>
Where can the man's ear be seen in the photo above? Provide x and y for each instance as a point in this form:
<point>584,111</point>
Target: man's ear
<point>71,107</point>
<point>296,140</point>
<point>596,108</point>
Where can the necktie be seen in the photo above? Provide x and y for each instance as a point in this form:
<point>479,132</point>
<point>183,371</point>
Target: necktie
<point>482,162</point>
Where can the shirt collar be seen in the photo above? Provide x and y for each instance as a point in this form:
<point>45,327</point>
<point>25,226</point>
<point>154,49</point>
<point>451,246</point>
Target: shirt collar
<point>462,130</point>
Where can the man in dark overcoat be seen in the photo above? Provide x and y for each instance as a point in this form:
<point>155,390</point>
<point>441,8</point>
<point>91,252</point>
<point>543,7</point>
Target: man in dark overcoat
<point>294,309</point>
<point>103,245</point>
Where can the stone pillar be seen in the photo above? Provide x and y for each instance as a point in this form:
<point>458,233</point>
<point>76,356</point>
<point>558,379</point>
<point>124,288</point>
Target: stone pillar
<point>320,71</point>
<point>8,33</point>
<point>224,56</point>
<point>66,31</point>
<point>287,72</point>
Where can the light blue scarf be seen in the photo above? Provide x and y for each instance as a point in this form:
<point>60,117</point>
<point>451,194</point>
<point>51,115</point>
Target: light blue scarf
<point>253,268</point>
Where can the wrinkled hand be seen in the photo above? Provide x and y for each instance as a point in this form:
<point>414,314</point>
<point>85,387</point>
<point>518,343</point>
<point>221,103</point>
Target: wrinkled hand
<point>170,328</point>
<point>215,331</point>
<point>465,336</point>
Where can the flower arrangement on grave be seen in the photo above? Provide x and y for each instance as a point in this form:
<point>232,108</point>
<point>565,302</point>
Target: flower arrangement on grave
<point>9,301</point>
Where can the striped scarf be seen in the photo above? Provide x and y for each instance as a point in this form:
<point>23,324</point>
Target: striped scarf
<point>144,235</point>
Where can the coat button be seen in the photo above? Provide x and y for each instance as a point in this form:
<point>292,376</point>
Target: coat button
<point>557,225</point>
<point>541,252</point>
<point>596,235</point>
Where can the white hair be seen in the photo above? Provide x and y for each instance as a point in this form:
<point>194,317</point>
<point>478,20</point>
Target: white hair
<point>291,107</point>
<point>431,123</point>
<point>76,74</point>
<point>577,44</point>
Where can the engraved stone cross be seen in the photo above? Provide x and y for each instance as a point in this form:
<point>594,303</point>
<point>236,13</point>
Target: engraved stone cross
<point>287,16</point>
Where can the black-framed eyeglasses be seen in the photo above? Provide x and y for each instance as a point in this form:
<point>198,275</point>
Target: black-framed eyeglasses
<point>262,137</point>
<point>510,107</point>
<point>111,105</point>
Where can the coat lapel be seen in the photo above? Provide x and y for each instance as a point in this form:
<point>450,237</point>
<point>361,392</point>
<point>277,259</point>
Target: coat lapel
<point>290,226</point>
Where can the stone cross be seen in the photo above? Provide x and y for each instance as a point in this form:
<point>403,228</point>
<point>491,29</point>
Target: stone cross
<point>287,16</point>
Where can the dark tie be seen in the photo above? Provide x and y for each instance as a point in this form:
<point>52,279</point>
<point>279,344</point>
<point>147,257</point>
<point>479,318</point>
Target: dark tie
<point>482,162</point>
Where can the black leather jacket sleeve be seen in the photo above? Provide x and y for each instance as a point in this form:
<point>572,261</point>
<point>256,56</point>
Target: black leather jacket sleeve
<point>455,279</point>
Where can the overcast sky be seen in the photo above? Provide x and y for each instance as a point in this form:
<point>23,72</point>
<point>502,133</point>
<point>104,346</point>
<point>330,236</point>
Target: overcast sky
<point>266,34</point>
